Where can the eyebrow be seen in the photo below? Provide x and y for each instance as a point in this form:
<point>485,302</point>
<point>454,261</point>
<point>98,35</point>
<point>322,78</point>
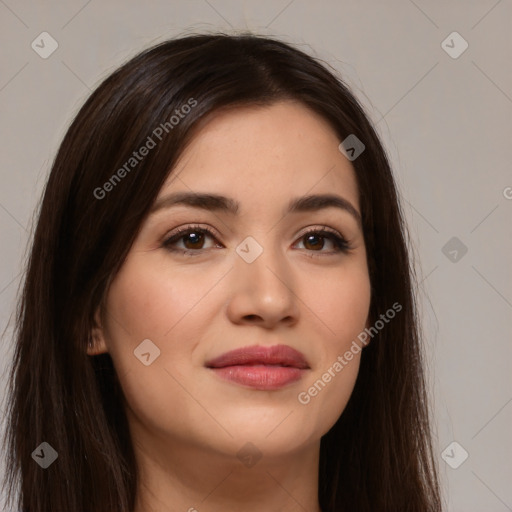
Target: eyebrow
<point>215,202</point>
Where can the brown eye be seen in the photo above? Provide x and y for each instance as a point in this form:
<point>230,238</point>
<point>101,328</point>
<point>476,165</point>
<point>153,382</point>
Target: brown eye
<point>314,241</point>
<point>192,238</point>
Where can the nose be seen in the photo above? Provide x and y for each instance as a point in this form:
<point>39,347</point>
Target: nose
<point>261,292</point>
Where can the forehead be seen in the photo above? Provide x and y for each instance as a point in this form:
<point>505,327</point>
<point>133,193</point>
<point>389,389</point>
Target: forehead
<point>261,154</point>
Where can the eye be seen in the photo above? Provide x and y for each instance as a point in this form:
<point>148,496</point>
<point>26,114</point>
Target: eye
<point>193,239</point>
<point>314,240</point>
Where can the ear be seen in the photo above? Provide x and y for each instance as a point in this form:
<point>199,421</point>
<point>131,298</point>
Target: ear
<point>97,343</point>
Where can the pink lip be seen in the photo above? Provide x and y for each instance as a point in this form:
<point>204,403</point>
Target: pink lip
<point>263,368</point>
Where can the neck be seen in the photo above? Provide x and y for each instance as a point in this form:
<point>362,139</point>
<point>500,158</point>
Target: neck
<point>177,476</point>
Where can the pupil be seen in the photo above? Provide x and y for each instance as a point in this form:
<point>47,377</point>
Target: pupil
<point>310,237</point>
<point>196,237</point>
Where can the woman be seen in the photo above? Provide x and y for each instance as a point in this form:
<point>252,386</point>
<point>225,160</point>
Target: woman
<point>218,311</point>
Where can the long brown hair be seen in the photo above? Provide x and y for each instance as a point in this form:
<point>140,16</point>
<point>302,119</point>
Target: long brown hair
<point>377,457</point>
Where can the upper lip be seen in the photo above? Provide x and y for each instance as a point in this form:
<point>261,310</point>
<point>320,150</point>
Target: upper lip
<point>278,355</point>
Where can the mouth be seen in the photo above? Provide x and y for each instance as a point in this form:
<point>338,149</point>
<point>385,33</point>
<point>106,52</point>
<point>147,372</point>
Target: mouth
<point>259,367</point>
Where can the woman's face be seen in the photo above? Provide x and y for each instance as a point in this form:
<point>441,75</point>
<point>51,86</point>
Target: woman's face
<point>259,280</point>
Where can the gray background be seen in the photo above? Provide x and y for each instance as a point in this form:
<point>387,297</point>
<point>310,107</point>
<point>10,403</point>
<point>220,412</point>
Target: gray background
<point>445,121</point>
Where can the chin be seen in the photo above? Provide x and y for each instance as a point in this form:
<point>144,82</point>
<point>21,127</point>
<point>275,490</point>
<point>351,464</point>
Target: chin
<point>275,434</point>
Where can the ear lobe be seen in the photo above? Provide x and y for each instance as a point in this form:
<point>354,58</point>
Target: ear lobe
<point>97,343</point>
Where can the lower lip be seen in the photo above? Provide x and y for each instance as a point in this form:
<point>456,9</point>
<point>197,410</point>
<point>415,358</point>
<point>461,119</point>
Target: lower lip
<point>262,377</point>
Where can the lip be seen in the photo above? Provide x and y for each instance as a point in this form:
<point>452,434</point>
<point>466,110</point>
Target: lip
<point>259,367</point>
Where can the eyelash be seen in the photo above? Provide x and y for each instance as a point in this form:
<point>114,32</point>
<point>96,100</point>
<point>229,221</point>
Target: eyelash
<point>341,245</point>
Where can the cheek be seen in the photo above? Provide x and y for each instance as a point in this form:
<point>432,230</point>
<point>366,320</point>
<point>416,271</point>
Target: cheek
<point>323,399</point>
<point>340,303</point>
<point>145,301</point>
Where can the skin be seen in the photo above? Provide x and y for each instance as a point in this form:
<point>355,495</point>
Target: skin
<point>187,424</point>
